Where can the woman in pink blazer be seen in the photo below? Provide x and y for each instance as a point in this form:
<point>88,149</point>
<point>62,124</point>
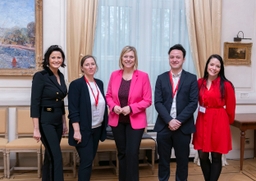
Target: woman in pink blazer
<point>128,96</point>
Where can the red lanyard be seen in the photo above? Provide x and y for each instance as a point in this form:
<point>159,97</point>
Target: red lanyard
<point>96,98</point>
<point>174,90</point>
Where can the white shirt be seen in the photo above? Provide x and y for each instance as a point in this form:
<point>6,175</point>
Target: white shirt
<point>97,112</point>
<point>175,80</point>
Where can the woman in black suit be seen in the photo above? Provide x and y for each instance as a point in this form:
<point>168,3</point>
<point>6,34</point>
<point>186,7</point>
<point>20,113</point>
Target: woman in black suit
<point>48,112</point>
<point>87,115</point>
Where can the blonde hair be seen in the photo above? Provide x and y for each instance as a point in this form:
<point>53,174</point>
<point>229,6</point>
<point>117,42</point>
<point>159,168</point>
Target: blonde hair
<point>125,50</point>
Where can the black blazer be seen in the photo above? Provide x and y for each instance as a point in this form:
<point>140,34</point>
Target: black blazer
<point>186,100</point>
<point>79,106</point>
<point>47,95</point>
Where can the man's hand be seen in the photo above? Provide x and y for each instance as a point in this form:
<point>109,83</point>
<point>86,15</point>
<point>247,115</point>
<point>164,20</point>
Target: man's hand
<point>174,124</point>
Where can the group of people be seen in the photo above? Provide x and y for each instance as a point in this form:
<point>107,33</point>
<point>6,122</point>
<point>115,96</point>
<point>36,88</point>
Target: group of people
<point>177,96</point>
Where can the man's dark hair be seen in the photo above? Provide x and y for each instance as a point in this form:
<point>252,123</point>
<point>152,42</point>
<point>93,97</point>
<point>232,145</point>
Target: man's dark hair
<point>178,47</point>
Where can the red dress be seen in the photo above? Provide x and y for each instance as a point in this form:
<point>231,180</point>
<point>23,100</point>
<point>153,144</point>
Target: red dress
<point>212,127</point>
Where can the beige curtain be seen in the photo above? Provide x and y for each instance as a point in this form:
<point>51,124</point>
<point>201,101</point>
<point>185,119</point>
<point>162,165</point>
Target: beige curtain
<point>204,26</point>
<point>81,23</point>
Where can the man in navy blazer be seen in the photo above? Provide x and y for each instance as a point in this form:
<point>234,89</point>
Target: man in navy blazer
<point>176,99</point>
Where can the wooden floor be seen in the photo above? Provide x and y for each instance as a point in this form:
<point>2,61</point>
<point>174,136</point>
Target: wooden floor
<point>229,173</point>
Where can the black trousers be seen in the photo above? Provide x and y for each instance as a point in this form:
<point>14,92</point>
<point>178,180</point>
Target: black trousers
<point>50,136</point>
<point>128,144</point>
<point>166,140</point>
<point>87,154</point>
<point>211,169</point>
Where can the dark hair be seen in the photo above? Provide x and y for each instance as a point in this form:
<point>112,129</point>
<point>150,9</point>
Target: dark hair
<point>49,51</point>
<point>178,47</point>
<point>85,58</point>
<point>221,73</point>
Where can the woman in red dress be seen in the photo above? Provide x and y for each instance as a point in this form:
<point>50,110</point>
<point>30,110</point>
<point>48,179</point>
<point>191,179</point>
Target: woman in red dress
<point>216,112</point>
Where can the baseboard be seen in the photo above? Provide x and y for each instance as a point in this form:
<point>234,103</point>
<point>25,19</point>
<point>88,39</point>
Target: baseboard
<point>235,154</point>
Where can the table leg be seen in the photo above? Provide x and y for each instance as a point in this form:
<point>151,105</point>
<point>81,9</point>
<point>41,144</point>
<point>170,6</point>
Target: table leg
<point>254,143</point>
<point>242,140</point>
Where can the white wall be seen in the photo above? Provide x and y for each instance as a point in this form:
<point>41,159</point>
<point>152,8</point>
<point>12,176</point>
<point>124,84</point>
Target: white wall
<point>238,15</point>
<point>54,28</point>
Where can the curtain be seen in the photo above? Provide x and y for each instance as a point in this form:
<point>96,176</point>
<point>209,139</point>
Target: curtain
<point>81,22</point>
<point>204,26</point>
<point>151,26</point>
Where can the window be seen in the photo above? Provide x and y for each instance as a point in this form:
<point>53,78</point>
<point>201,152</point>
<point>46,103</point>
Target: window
<point>151,26</point>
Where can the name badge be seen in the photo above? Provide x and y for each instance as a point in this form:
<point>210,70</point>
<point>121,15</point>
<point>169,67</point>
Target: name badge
<point>95,113</point>
<point>202,109</point>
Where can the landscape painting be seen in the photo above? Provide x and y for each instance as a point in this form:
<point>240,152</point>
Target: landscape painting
<point>20,36</point>
<point>237,53</point>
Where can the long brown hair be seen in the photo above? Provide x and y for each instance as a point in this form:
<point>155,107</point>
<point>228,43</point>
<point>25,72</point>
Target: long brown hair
<point>221,73</point>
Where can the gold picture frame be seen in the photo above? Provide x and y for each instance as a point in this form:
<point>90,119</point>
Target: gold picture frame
<point>237,53</point>
<point>22,46</point>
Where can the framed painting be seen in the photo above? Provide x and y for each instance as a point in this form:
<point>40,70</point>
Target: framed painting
<point>237,53</point>
<point>21,28</point>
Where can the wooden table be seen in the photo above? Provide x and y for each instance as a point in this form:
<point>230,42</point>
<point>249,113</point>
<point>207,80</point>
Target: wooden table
<point>244,122</point>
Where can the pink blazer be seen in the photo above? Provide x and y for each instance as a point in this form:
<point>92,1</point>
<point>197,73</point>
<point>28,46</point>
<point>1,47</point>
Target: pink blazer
<point>140,97</point>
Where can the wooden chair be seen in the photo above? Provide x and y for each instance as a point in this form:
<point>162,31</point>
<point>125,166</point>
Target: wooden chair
<point>3,135</point>
<point>66,148</point>
<point>109,146</point>
<point>148,143</point>
<point>24,142</point>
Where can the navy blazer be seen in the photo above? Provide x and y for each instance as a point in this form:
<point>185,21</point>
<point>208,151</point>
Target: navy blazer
<point>79,106</point>
<point>186,101</point>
